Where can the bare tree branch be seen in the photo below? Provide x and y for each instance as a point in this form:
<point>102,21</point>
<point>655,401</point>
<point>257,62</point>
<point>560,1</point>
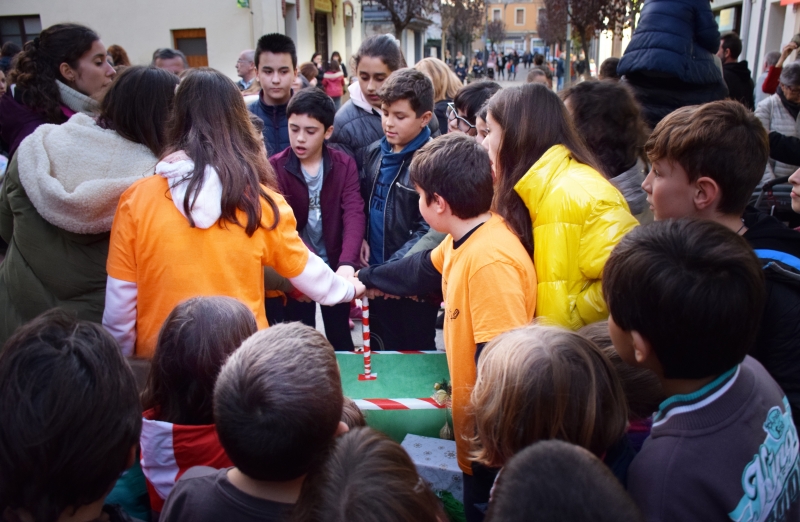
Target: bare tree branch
<point>402,12</point>
<point>496,31</point>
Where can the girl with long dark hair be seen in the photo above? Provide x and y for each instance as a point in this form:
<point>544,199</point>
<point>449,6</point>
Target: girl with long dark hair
<point>567,215</point>
<point>207,223</point>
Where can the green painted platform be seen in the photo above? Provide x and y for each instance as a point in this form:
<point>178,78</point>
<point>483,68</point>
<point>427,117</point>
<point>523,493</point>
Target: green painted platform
<point>401,375</point>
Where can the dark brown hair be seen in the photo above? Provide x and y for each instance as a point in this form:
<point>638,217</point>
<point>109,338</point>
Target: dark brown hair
<point>69,415</point>
<point>609,119</point>
<point>370,478</point>
<point>543,382</point>
<point>722,140</point>
<point>195,341</point>
<point>333,65</point>
<point>608,69</point>
<point>408,84</point>
<point>553,481</point>
<point>119,56</point>
<point>693,289</point>
<point>211,123</point>
<point>37,67</point>
<point>383,46</point>
<point>456,168</point>
<point>733,43</point>
<point>138,104</point>
<point>352,415</point>
<point>278,402</point>
<point>470,98</point>
<point>642,388</point>
<point>276,43</point>
<point>533,119</point>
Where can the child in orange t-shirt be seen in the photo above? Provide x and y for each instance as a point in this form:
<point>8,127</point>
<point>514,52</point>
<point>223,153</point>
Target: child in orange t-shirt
<point>481,267</point>
<point>207,223</point>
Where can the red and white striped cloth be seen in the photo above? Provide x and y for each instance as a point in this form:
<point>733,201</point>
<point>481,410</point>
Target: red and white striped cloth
<point>168,450</point>
<point>398,404</point>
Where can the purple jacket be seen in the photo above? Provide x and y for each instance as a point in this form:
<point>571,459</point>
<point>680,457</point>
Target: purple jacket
<point>17,121</point>
<point>343,219</point>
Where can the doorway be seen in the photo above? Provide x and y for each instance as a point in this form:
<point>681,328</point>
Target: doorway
<point>192,43</point>
<point>321,35</point>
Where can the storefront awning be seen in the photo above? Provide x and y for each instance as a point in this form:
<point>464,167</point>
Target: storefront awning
<point>789,2</point>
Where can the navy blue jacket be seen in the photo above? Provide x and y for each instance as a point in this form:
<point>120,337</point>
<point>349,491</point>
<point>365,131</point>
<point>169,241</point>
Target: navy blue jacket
<point>677,38</point>
<point>276,125</point>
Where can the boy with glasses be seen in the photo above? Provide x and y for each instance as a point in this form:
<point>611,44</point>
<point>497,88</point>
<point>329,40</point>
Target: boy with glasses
<point>467,103</point>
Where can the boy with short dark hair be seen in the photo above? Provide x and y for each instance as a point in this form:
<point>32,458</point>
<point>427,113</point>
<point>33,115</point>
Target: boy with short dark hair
<point>467,103</point>
<point>321,185</point>
<point>685,299</point>
<point>70,419</point>
<point>394,222</point>
<point>555,481</point>
<point>484,272</point>
<point>276,63</point>
<point>277,408</point>
<point>707,161</point>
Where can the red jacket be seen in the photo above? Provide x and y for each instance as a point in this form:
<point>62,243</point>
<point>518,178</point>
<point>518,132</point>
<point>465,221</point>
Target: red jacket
<point>772,80</point>
<point>169,450</point>
<point>343,220</point>
<point>334,84</point>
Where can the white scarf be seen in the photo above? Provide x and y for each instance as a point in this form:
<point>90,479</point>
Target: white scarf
<point>357,97</point>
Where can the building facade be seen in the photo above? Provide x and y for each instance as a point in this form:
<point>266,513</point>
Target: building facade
<point>210,32</point>
<point>763,25</point>
<point>520,19</point>
<point>413,39</point>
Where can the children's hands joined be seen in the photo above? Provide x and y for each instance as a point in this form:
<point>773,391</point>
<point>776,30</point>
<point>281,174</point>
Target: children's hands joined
<point>359,286</point>
<point>346,271</point>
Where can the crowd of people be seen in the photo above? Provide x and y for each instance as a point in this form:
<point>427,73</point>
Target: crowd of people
<point>620,325</point>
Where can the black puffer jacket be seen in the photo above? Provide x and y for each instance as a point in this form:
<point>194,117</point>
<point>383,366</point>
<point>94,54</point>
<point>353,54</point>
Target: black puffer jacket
<point>778,343</point>
<point>355,129</point>
<point>403,223</point>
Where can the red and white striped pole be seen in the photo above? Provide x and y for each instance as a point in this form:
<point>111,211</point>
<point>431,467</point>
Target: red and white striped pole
<point>367,375</point>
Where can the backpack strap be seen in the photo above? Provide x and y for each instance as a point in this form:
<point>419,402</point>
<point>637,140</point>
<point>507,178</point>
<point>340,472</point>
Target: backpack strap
<point>780,266</point>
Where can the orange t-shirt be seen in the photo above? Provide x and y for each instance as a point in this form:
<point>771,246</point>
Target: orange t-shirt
<point>489,287</point>
<point>153,246</point>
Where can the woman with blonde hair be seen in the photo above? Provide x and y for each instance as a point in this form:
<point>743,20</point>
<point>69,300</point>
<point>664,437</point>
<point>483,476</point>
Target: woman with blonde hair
<point>445,86</point>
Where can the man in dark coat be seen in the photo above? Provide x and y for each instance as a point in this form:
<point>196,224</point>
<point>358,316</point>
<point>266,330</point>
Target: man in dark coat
<point>736,74</point>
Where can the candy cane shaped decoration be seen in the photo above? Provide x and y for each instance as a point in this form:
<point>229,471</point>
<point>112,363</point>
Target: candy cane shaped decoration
<point>367,375</point>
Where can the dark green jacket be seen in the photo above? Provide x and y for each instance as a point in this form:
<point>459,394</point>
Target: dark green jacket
<point>57,206</point>
<point>45,266</point>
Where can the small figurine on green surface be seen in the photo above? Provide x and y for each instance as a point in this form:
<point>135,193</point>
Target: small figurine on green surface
<point>442,397</point>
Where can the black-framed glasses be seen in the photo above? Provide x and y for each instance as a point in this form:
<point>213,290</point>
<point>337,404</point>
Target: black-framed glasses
<point>452,114</point>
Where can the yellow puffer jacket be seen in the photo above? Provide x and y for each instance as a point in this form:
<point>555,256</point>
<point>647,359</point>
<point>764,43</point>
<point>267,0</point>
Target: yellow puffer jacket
<point>578,217</point>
